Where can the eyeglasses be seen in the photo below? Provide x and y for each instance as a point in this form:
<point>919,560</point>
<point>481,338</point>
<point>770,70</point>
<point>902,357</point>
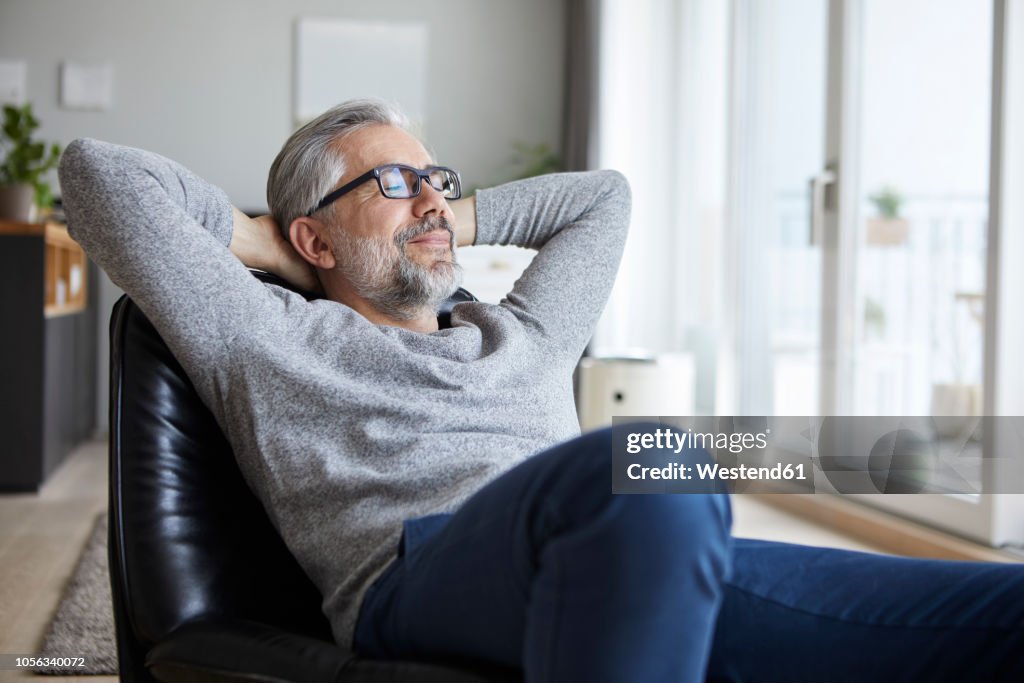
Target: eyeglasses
<point>397,181</point>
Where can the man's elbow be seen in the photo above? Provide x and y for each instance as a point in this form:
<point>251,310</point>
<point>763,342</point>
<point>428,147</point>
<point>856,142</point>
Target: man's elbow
<point>79,159</point>
<point>85,174</point>
<point>617,195</point>
<point>618,183</point>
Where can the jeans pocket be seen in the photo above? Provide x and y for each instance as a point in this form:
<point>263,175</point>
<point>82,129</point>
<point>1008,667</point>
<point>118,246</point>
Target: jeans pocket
<point>418,529</point>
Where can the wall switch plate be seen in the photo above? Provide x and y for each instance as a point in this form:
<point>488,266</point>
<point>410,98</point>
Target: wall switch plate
<point>86,86</point>
<point>12,81</point>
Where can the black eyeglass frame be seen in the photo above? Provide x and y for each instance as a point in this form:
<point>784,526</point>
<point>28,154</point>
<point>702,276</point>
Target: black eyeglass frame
<point>375,173</point>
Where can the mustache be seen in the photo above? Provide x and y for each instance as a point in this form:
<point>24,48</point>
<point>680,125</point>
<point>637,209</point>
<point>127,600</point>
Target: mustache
<point>422,227</point>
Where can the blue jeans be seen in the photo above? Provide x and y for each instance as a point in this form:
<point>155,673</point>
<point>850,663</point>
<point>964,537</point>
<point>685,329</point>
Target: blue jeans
<point>545,570</point>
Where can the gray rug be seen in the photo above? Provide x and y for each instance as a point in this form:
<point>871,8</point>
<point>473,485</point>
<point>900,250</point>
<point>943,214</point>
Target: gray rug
<point>84,623</point>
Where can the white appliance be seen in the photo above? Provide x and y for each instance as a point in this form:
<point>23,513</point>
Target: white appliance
<point>649,386</point>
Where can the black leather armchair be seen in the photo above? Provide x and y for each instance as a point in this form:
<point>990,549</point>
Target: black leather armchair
<point>203,587</point>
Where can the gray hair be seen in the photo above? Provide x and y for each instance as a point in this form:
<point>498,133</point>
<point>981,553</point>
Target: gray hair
<point>309,164</point>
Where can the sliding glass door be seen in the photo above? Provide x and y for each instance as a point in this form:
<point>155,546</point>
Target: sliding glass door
<point>859,204</point>
<point>862,132</point>
<point>909,140</point>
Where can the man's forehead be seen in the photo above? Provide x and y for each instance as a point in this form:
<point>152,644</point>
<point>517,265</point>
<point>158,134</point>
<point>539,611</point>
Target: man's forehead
<point>381,144</point>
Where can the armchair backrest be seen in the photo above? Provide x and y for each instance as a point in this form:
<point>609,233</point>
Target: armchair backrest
<point>187,538</point>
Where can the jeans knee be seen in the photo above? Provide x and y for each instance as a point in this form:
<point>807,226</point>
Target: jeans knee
<point>574,482</point>
<point>580,467</point>
<point>579,476</point>
<point>669,537</point>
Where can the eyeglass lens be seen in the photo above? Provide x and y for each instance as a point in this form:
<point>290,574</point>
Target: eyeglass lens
<point>399,183</point>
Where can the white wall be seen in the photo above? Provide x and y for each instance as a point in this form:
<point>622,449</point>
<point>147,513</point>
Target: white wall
<point>209,82</point>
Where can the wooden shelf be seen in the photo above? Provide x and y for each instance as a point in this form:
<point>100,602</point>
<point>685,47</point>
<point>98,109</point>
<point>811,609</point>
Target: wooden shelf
<point>19,228</point>
<point>65,269</point>
<point>66,273</point>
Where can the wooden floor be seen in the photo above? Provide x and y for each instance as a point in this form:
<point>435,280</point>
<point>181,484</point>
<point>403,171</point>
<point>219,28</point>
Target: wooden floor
<point>42,535</point>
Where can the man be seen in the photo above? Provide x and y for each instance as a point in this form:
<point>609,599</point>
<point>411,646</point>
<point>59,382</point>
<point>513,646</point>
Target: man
<point>431,481</point>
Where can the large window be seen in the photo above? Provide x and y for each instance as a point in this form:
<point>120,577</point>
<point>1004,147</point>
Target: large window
<point>818,210</point>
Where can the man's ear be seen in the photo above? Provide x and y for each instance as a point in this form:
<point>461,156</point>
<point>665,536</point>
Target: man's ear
<point>307,237</point>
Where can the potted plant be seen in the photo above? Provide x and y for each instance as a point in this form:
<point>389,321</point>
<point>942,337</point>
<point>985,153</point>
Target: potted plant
<point>957,402</point>
<point>887,227</point>
<point>533,160</point>
<point>25,161</point>
<point>874,319</point>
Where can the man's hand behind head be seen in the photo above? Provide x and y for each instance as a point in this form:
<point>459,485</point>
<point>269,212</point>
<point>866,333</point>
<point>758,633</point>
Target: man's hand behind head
<point>258,243</point>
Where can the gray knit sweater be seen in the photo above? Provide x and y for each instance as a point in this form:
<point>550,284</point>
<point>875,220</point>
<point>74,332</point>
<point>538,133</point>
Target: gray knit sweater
<point>341,427</point>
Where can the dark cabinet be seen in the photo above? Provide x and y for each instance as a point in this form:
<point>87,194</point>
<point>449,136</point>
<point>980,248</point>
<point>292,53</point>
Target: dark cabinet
<point>47,351</point>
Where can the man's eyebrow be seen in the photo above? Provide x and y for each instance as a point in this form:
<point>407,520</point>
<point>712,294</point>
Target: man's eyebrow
<point>429,163</point>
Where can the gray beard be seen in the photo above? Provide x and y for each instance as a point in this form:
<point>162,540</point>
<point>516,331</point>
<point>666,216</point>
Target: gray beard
<point>381,272</point>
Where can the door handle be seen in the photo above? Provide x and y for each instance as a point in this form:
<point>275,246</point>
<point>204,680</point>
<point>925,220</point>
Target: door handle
<point>819,183</point>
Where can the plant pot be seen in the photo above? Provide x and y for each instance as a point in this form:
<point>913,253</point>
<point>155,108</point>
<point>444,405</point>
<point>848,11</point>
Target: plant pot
<point>17,203</point>
<point>955,408</point>
<point>887,231</point>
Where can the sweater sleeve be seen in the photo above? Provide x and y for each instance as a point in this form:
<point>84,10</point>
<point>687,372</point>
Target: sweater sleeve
<point>578,223</point>
<point>161,233</point>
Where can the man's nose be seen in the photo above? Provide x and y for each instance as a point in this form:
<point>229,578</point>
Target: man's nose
<point>429,201</point>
